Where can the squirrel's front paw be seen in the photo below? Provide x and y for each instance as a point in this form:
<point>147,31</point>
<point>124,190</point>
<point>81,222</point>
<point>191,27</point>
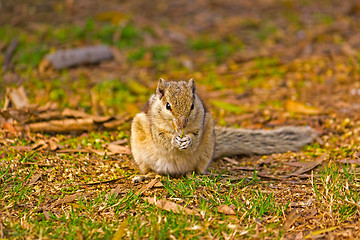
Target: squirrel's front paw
<point>182,143</point>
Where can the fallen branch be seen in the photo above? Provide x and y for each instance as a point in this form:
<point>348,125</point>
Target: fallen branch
<point>73,57</point>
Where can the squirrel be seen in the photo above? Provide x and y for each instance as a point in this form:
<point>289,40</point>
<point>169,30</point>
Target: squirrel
<point>175,134</point>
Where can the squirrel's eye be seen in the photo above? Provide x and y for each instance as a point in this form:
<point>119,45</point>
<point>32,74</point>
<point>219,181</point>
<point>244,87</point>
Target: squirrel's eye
<point>192,106</point>
<point>168,106</point>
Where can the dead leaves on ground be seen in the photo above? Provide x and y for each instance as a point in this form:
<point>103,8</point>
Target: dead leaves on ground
<point>171,206</point>
<point>19,115</point>
<point>301,108</point>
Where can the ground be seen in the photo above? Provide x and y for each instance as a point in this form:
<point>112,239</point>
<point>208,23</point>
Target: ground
<point>258,64</point>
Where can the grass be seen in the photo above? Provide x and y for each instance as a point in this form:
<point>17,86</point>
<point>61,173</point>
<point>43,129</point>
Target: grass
<point>98,216</point>
<point>325,197</point>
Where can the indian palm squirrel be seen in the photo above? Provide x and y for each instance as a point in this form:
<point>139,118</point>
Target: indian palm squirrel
<point>175,134</point>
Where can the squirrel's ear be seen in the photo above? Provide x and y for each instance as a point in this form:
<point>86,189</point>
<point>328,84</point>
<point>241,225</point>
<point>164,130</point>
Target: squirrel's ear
<point>192,84</point>
<point>162,84</point>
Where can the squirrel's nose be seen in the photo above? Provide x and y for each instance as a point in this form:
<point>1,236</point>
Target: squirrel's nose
<point>180,123</point>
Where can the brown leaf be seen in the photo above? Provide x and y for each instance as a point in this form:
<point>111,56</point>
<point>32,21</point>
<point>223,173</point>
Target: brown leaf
<point>53,145</point>
<point>116,190</point>
<point>350,161</point>
<point>290,219</point>
<point>298,107</point>
<point>226,209</point>
<point>99,152</point>
<point>119,234</point>
<point>69,199</point>
<point>158,185</point>
<point>34,179</point>
<point>306,166</point>
<point>114,148</point>
<point>41,144</point>
<point>171,206</point>
<point>21,148</point>
<point>18,97</point>
<point>9,127</point>
<point>46,215</point>
<point>243,168</point>
<point>119,142</point>
<point>230,160</point>
<point>147,186</point>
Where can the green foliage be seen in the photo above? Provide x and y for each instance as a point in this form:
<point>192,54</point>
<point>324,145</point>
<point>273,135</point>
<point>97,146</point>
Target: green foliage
<point>228,106</point>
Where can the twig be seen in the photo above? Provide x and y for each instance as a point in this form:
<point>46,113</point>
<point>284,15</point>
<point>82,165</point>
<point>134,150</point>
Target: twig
<point>9,52</point>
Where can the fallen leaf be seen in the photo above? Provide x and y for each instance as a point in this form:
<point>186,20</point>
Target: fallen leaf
<point>147,186</point>
<point>46,215</point>
<point>158,185</point>
<point>70,198</point>
<point>350,161</point>
<point>100,152</point>
<point>290,219</point>
<point>53,145</point>
<point>171,206</point>
<point>230,160</point>
<point>113,17</point>
<point>298,107</point>
<point>115,192</point>
<point>244,168</point>
<point>117,149</point>
<point>18,97</point>
<point>76,206</point>
<point>120,231</point>
<point>315,233</point>
<point>306,166</point>
<point>9,127</point>
<point>34,179</point>
<point>119,142</point>
<point>226,209</point>
<point>41,144</point>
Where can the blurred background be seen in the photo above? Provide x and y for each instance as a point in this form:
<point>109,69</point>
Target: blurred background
<point>264,58</point>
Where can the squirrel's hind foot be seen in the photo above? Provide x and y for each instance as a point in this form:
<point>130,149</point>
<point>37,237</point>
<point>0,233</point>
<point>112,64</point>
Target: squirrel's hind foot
<point>141,178</point>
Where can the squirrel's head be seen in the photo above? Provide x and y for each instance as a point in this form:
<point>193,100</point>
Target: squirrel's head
<point>178,101</point>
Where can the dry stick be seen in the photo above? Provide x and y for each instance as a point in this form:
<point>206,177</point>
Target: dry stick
<point>103,182</point>
<point>9,52</point>
<point>83,55</point>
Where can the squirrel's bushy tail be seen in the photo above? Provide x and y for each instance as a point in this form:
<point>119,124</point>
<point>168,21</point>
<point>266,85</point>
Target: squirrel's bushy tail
<point>232,141</point>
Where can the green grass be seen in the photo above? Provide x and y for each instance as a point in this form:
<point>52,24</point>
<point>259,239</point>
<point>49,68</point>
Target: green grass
<point>339,192</point>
